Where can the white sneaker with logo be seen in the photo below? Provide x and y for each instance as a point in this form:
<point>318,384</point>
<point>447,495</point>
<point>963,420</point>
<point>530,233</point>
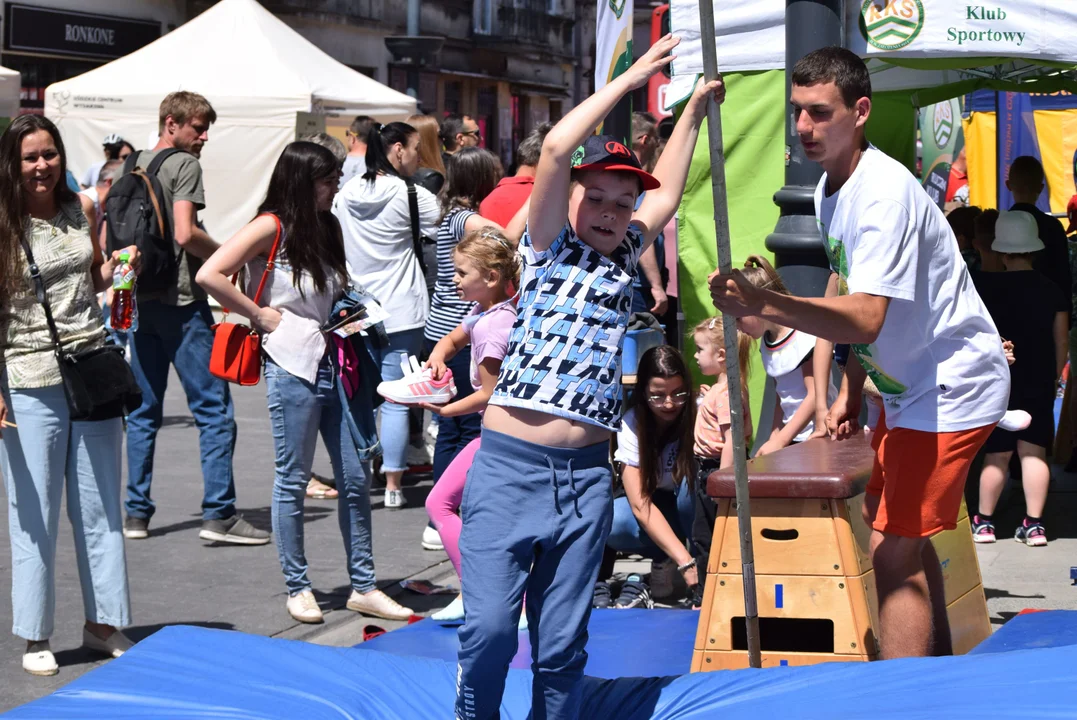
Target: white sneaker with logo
<point>418,385</point>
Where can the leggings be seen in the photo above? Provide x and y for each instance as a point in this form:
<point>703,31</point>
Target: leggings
<point>444,500</point>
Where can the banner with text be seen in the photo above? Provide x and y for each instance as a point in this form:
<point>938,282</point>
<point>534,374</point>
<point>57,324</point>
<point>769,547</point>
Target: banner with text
<point>1016,137</point>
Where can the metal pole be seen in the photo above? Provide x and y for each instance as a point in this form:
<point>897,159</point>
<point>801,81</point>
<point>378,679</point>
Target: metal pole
<point>729,325</point>
<point>413,31</point>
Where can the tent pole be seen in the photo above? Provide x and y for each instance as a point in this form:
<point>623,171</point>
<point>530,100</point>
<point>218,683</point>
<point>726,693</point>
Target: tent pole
<point>729,325</point>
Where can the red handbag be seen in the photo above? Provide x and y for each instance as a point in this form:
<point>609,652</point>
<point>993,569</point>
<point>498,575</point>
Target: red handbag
<point>237,349</point>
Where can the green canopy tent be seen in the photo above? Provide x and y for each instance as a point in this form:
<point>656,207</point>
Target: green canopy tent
<point>918,51</point>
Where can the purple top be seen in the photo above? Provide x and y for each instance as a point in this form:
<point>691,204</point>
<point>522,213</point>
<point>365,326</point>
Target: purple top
<point>489,335</point>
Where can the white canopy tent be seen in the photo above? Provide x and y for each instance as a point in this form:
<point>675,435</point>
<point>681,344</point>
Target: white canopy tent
<point>257,73</point>
<point>933,49</point>
<point>10,87</point>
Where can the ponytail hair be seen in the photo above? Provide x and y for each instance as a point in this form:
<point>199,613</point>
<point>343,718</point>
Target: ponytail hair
<point>760,273</point>
<point>713,329</point>
<point>378,141</point>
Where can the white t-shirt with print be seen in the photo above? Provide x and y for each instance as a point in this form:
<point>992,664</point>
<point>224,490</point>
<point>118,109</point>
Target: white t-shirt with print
<point>628,452</point>
<point>938,360</point>
<point>783,360</point>
<point>564,355</point>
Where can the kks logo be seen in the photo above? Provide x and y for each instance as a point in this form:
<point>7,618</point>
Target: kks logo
<point>618,8</point>
<point>891,24</point>
<point>943,124</point>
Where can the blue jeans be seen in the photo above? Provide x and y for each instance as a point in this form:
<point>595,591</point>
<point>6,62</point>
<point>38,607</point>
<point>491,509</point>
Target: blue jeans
<point>628,536</point>
<point>179,336</point>
<point>454,433</point>
<point>38,459</point>
<point>535,518</point>
<point>298,412</point>
<point>395,431</point>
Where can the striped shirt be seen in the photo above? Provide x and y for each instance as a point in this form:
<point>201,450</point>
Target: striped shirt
<point>447,310</point>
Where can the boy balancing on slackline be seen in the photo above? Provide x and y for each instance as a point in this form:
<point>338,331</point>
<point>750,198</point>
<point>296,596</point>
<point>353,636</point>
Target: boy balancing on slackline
<point>537,506</point>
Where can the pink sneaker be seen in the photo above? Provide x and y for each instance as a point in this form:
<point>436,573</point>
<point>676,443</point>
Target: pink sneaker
<point>419,386</point>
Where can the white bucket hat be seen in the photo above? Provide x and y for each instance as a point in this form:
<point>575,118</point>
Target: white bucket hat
<point>1016,232</point>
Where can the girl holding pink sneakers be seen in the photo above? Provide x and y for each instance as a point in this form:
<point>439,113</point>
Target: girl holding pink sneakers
<point>487,273</point>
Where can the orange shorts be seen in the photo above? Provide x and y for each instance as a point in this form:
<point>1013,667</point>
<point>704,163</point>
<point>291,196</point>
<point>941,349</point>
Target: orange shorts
<point>920,476</point>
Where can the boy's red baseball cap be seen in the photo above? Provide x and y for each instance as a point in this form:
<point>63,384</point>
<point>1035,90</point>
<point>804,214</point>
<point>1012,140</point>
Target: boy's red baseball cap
<point>1071,211</point>
<point>605,152</point>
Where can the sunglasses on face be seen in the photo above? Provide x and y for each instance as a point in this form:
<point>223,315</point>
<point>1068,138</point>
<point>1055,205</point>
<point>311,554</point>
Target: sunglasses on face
<point>676,399</point>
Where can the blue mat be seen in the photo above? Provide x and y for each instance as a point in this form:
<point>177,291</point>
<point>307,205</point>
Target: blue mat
<point>1051,628</point>
<point>188,672</point>
<point>613,648</point>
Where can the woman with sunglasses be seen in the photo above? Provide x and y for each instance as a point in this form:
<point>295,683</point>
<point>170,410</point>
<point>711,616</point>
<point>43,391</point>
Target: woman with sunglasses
<point>654,455</point>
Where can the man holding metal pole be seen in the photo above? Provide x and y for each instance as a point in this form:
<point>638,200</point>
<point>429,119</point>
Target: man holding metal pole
<point>901,296</point>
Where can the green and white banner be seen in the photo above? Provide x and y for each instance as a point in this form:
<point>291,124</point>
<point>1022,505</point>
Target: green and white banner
<point>614,40</point>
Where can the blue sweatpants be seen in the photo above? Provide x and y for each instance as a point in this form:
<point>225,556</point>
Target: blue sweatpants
<point>536,519</point>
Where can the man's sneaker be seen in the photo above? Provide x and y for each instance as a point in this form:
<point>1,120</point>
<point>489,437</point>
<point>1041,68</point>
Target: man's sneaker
<point>39,660</point>
<point>603,598</point>
<point>377,604</point>
<point>982,531</point>
<point>136,528</point>
<point>303,607</point>
<point>418,386</point>
<point>1032,535</point>
<point>1015,420</point>
<point>432,539</point>
<point>634,594</point>
<point>234,530</point>
<point>394,499</point>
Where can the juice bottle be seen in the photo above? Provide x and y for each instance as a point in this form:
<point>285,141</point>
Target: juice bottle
<point>124,311</point>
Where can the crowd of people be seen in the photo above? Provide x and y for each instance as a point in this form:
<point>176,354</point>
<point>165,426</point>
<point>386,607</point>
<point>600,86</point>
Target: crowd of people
<point>516,292</point>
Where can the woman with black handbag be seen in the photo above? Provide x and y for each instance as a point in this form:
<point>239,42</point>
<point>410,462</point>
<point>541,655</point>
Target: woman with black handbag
<point>61,426</point>
<point>294,253</point>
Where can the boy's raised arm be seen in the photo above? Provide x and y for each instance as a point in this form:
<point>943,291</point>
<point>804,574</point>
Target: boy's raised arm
<point>672,170</point>
<point>549,199</point>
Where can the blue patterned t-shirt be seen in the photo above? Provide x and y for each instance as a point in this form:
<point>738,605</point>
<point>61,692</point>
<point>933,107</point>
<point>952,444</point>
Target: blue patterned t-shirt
<point>564,352</point>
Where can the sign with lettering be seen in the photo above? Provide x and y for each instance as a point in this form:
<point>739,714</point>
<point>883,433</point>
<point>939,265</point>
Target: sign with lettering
<point>63,32</point>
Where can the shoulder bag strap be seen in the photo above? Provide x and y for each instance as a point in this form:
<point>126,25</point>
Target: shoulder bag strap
<point>39,290</point>
<point>153,200</point>
<point>413,210</point>
<point>270,264</point>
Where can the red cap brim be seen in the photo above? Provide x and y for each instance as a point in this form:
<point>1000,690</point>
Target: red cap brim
<point>650,182</point>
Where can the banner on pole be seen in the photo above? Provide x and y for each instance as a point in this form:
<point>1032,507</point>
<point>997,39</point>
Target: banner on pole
<point>940,130</point>
<point>1016,137</point>
<point>614,40</point>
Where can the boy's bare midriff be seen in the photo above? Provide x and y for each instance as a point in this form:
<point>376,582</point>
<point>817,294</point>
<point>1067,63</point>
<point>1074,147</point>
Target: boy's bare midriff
<point>542,428</point>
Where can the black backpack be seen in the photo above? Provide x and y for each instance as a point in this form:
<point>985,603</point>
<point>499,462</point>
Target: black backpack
<point>137,215</point>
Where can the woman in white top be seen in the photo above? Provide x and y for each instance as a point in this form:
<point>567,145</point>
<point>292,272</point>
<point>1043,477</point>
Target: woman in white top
<point>308,275</point>
<point>654,455</point>
<point>375,218</point>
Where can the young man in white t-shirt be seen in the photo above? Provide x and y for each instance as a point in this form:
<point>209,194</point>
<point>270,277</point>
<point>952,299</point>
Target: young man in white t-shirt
<point>902,298</point>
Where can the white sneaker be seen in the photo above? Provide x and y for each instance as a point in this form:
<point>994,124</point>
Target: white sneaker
<point>39,660</point>
<point>1015,420</point>
<point>451,613</point>
<point>116,645</point>
<point>377,604</point>
<point>432,539</point>
<point>304,608</point>
<point>418,456</point>
<point>418,385</point>
<point>394,499</point>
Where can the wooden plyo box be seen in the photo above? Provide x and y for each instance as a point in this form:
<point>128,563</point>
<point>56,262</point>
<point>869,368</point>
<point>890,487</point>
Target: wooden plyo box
<point>814,581</point>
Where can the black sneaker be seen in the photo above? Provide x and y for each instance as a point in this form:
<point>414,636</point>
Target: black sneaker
<point>634,594</point>
<point>603,598</point>
<point>136,528</point>
<point>694,599</point>
<point>234,530</point>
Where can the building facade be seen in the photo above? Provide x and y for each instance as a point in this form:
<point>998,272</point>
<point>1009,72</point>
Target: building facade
<point>52,40</point>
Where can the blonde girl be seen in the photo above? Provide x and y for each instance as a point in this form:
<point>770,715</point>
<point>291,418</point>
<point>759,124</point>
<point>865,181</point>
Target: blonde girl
<point>788,359</point>
<point>487,274</point>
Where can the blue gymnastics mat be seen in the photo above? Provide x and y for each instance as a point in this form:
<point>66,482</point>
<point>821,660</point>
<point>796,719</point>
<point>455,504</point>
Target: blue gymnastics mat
<point>621,643</point>
<point>189,672</point>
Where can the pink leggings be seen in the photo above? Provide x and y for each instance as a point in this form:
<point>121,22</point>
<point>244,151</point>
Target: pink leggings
<point>444,500</point>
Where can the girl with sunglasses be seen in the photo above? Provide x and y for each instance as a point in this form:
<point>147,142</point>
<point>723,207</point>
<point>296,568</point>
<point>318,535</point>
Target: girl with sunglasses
<point>654,454</point>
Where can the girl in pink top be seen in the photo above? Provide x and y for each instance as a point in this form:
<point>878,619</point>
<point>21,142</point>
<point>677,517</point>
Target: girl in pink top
<point>487,273</point>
